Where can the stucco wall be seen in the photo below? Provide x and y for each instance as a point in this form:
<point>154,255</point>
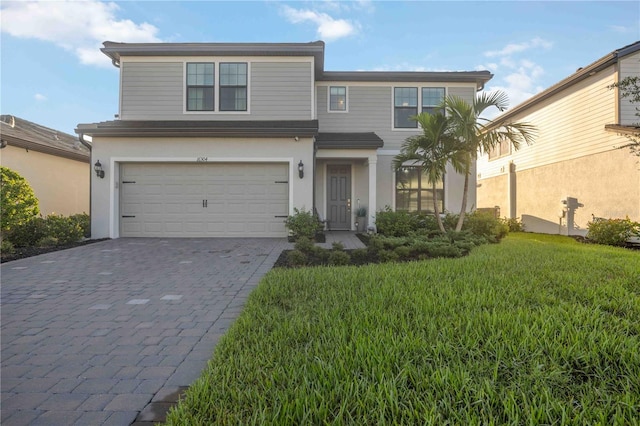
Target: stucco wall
<point>113,151</point>
<point>608,184</point>
<point>61,184</point>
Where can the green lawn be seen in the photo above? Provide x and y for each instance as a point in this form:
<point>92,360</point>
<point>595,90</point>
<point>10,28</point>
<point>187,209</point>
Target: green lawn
<point>535,330</point>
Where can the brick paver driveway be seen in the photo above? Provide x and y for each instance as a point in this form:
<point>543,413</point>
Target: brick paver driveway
<point>93,334</point>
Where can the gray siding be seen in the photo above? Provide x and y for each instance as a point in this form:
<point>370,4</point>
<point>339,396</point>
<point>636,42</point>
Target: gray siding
<point>466,93</point>
<point>151,91</point>
<point>629,67</point>
<point>277,91</point>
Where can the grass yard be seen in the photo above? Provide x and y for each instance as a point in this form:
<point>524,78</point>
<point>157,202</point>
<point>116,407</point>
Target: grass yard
<point>538,329</point>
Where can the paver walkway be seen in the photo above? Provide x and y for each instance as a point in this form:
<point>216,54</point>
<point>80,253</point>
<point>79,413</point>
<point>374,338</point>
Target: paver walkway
<point>94,334</point>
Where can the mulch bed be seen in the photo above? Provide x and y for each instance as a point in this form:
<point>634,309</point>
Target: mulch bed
<point>24,252</point>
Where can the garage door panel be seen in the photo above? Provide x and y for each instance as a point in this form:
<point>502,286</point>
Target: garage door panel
<point>241,199</point>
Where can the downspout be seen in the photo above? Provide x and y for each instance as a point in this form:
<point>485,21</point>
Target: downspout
<point>89,147</point>
<point>115,62</point>
<point>313,190</point>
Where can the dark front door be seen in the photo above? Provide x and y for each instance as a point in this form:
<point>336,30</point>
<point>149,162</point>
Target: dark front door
<point>339,196</point>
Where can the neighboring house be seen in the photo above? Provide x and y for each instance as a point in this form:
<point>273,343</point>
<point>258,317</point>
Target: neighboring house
<point>55,164</point>
<point>573,172</point>
<point>226,139</point>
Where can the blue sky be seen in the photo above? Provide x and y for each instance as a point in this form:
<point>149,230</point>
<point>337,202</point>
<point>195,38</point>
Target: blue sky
<point>53,73</point>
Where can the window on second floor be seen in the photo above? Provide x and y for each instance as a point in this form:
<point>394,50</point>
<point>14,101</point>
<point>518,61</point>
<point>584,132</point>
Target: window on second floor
<point>233,87</point>
<point>431,98</point>
<point>414,193</point>
<point>200,86</point>
<point>337,98</point>
<point>405,106</point>
<point>500,150</point>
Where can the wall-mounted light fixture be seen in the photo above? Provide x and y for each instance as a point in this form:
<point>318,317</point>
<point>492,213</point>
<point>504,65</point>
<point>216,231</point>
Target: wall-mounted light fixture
<point>98,168</point>
<point>300,169</point>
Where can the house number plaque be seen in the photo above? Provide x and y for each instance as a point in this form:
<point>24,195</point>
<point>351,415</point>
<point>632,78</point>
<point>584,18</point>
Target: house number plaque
<point>202,159</point>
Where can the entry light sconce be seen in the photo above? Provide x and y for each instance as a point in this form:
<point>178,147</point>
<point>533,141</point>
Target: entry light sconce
<point>98,168</point>
<point>300,169</point>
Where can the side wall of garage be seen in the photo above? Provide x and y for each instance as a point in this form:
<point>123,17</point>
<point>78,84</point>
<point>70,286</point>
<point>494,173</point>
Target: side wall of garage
<point>112,152</point>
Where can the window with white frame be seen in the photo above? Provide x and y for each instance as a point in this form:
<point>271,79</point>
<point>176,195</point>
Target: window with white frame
<point>337,98</point>
<point>432,97</point>
<point>200,86</point>
<point>233,86</point>
<point>405,106</point>
<point>414,193</point>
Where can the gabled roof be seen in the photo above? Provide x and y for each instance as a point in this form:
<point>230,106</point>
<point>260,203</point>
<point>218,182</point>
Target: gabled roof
<point>26,134</point>
<point>199,128</point>
<point>117,50</point>
<point>581,74</point>
<point>367,140</point>
<point>477,77</point>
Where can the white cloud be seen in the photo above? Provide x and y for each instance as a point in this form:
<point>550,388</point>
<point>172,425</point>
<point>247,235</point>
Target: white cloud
<point>39,97</point>
<point>621,29</point>
<point>328,28</point>
<point>518,77</point>
<point>77,26</point>
<point>405,66</point>
<point>512,48</point>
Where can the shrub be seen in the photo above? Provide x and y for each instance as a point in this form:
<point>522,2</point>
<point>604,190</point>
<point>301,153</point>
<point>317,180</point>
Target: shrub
<point>360,256</point>
<point>337,245</point>
<point>303,224</point>
<point>514,224</point>
<point>338,257</point>
<point>486,225</point>
<point>613,232</point>
<point>304,245</point>
<point>7,247</point>
<point>403,252</point>
<point>65,229</point>
<point>17,200</point>
<point>84,221</point>
<point>388,256</point>
<point>29,233</point>
<point>296,258</point>
<point>48,241</point>
<point>395,224</point>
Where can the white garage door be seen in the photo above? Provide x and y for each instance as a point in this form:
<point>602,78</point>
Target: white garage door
<point>203,200</point>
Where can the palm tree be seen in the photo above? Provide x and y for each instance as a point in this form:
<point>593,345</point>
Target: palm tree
<point>432,150</point>
<point>476,134</point>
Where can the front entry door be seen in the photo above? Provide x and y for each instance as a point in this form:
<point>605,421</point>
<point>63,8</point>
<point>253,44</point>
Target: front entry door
<point>339,196</point>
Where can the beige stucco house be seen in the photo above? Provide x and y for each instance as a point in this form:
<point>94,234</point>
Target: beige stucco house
<point>55,164</point>
<point>226,139</point>
<point>573,172</point>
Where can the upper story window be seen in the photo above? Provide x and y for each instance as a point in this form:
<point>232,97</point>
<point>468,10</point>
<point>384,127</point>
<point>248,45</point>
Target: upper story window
<point>405,107</point>
<point>500,150</point>
<point>200,86</point>
<point>233,87</point>
<point>337,98</point>
<point>431,98</point>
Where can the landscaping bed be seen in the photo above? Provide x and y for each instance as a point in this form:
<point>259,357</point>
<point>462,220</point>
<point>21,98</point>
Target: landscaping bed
<point>24,252</point>
<point>538,329</point>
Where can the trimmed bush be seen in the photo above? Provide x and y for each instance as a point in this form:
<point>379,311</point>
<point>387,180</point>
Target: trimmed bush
<point>486,225</point>
<point>29,233</point>
<point>296,258</point>
<point>612,232</point>
<point>514,224</point>
<point>7,247</point>
<point>396,224</point>
<point>17,201</point>
<point>48,241</point>
<point>303,224</point>
<point>338,257</point>
<point>65,229</point>
<point>84,221</point>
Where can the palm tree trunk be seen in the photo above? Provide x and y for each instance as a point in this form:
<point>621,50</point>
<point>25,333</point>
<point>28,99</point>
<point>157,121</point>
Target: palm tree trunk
<point>463,208</point>
<point>435,208</point>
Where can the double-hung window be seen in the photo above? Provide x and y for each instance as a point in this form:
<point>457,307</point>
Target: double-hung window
<point>337,98</point>
<point>233,86</point>
<point>200,86</point>
<point>414,193</point>
<point>500,150</point>
<point>432,97</point>
<point>405,106</point>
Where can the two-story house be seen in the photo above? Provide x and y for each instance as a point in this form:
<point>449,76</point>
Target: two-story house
<point>574,171</point>
<point>226,139</point>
